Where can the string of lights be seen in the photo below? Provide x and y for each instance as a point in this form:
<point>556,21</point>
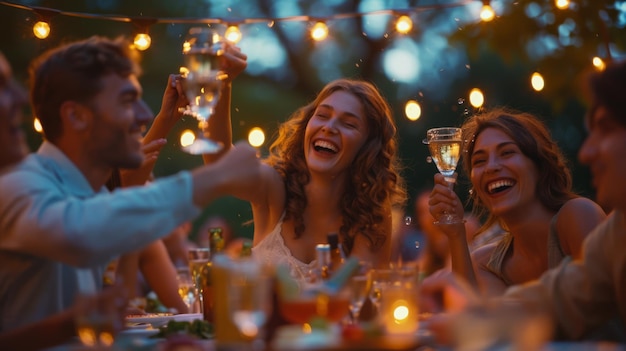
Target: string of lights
<point>319,29</point>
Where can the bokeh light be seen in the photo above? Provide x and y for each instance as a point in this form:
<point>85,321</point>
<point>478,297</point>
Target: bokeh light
<point>142,41</point>
<point>187,137</point>
<point>537,82</point>
<point>413,110</point>
<point>476,98</point>
<point>256,137</point>
<point>598,63</point>
<point>319,31</point>
<point>41,29</point>
<point>404,24</point>
<point>233,34</point>
<point>37,125</point>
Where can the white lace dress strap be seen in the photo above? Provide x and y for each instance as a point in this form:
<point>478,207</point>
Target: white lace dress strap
<point>272,250</point>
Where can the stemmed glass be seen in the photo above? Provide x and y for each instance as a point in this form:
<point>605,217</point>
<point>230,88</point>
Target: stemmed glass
<point>445,149</point>
<point>202,84</point>
<point>360,285</point>
<point>198,259</point>
<point>249,299</point>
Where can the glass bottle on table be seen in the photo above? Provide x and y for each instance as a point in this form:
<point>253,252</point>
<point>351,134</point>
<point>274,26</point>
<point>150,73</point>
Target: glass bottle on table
<point>216,244</point>
<point>321,271</point>
<point>336,252</point>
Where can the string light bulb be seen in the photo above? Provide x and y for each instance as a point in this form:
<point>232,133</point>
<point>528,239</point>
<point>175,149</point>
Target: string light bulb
<point>319,31</point>
<point>487,13</point>
<point>233,34</point>
<point>256,137</point>
<point>476,98</point>
<point>41,28</point>
<point>561,4</point>
<point>537,82</point>
<point>412,110</point>
<point>598,63</point>
<point>404,24</point>
<point>142,39</point>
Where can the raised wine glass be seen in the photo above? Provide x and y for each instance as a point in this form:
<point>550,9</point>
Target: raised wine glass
<point>202,84</point>
<point>445,149</point>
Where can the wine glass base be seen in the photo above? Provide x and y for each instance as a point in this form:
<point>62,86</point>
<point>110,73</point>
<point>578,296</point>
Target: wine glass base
<point>203,146</point>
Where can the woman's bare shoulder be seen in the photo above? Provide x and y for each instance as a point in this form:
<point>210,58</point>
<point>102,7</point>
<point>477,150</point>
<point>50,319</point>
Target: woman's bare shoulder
<point>481,255</point>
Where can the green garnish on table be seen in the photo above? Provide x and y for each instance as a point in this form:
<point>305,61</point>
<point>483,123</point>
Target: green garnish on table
<point>200,329</point>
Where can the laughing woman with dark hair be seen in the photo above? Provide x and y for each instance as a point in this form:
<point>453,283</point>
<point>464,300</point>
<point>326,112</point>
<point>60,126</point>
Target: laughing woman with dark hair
<point>520,181</point>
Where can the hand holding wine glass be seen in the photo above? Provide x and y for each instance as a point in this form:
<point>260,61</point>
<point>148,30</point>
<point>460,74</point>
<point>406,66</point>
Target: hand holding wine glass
<point>445,146</point>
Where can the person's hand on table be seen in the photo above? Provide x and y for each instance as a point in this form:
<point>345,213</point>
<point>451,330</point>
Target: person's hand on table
<point>445,296</point>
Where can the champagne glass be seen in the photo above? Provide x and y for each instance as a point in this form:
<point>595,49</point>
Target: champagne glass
<point>249,299</point>
<point>360,285</point>
<point>203,83</point>
<point>198,259</point>
<point>445,149</point>
<point>187,290</point>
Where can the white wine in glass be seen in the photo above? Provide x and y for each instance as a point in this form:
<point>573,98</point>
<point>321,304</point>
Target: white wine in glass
<point>203,82</point>
<point>445,146</point>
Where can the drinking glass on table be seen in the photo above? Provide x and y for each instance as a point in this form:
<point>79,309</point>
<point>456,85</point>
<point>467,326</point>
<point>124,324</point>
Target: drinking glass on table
<point>202,83</point>
<point>97,319</point>
<point>359,285</point>
<point>199,259</point>
<point>445,149</point>
<point>250,300</point>
<point>187,290</point>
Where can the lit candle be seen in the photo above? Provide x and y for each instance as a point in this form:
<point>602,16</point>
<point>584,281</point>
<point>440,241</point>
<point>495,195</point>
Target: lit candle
<point>399,308</point>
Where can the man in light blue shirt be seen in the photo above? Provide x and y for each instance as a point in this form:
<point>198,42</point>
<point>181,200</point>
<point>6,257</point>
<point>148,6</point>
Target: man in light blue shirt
<point>58,225</point>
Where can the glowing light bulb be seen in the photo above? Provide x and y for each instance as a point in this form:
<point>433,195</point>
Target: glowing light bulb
<point>233,34</point>
<point>319,31</point>
<point>142,41</point>
<point>561,4</point>
<point>401,312</point>
<point>413,110</point>
<point>537,82</point>
<point>256,137</point>
<point>187,137</point>
<point>404,24</point>
<point>41,29</point>
<point>37,125</point>
<point>598,63</point>
<point>476,98</point>
<point>487,14</point>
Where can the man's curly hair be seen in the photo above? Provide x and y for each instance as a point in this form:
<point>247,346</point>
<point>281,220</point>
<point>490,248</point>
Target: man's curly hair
<point>375,184</point>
